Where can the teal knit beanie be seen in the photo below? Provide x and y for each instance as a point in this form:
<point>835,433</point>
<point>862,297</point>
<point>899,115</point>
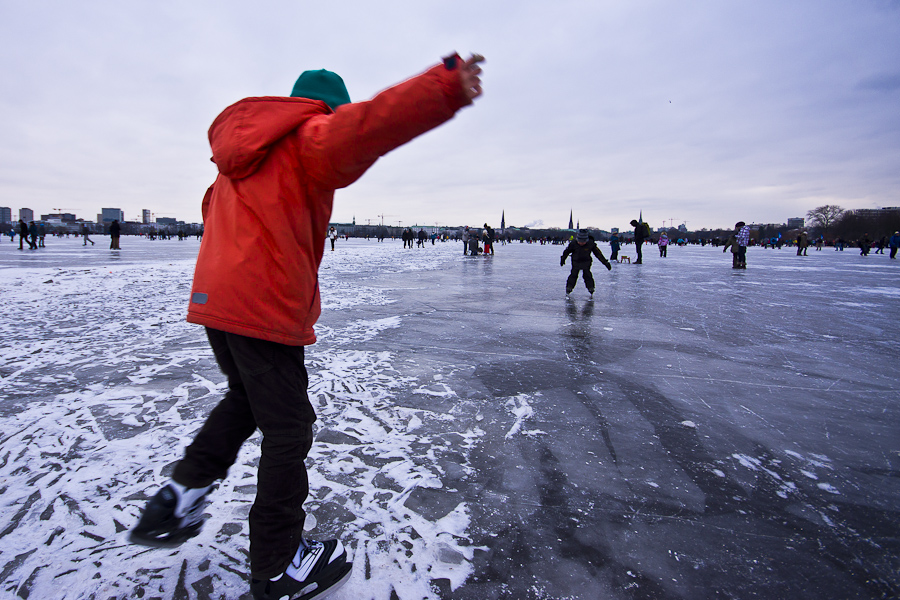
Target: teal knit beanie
<point>321,85</point>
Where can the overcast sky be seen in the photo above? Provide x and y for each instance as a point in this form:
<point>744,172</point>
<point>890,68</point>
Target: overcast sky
<point>704,112</point>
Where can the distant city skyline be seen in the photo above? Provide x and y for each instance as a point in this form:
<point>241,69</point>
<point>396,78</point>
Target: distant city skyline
<point>147,217</point>
<point>105,215</point>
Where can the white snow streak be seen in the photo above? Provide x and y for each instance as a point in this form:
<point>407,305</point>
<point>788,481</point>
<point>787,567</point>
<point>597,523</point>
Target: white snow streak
<point>104,383</point>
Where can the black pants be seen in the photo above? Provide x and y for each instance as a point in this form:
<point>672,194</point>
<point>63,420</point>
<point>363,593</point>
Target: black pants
<point>266,389</point>
<point>638,246</point>
<point>585,268</point>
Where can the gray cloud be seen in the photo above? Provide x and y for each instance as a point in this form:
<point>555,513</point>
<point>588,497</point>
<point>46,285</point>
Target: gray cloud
<point>884,82</point>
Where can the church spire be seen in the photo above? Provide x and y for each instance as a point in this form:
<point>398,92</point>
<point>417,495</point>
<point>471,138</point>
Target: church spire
<point>570,219</point>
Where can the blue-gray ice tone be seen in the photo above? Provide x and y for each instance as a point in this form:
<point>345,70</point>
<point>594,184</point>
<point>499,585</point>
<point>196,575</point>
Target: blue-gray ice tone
<point>691,432</point>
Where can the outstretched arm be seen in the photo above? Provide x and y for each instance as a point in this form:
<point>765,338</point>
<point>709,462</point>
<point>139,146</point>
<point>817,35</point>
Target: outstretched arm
<point>338,148</point>
<point>565,255</point>
<point>599,254</point>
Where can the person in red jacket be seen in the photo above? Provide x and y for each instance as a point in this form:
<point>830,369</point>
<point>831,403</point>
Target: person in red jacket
<point>256,291</point>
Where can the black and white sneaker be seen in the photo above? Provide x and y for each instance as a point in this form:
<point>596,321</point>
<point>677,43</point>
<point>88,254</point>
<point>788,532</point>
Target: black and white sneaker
<point>317,570</point>
<point>171,517</point>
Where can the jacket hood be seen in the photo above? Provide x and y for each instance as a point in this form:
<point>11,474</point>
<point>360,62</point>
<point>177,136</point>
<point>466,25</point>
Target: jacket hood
<point>242,134</point>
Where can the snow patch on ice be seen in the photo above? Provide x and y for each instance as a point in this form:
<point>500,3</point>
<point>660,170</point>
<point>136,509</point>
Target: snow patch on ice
<point>109,383</point>
<point>828,488</point>
<point>747,461</point>
<point>443,392</point>
<point>783,487</point>
<point>521,410</point>
<point>363,330</point>
<point>534,432</point>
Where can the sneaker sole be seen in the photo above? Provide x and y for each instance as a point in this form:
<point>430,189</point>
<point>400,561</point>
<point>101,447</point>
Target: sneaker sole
<point>321,595</point>
<point>319,591</point>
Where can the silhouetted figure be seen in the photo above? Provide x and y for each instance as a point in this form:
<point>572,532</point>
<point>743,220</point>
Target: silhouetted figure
<point>23,234</point>
<point>114,230</point>
<point>32,235</point>
<point>641,233</point>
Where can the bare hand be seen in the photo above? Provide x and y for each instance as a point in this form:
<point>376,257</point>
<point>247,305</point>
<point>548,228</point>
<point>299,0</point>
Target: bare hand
<point>469,76</point>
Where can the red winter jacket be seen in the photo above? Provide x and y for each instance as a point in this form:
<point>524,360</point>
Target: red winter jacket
<point>266,216</point>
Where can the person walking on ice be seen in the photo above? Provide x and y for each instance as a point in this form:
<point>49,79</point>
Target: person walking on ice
<point>23,234</point>
<point>32,235</point>
<point>280,159</point>
<point>733,244</point>
<point>614,247</point>
<point>581,249</point>
<point>742,237</point>
<point>641,233</point>
<point>802,243</point>
<point>663,244</point>
<point>332,235</point>
<point>114,232</point>
<point>487,236</point>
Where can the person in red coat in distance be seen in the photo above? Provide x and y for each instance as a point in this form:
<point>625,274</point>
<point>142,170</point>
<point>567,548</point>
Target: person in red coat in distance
<point>255,290</point>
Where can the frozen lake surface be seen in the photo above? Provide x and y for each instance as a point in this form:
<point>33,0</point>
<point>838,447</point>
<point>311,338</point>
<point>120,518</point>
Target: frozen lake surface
<point>692,432</point>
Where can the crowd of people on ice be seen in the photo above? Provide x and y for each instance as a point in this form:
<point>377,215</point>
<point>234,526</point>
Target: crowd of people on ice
<point>581,245</point>
<point>480,241</point>
<point>34,234</point>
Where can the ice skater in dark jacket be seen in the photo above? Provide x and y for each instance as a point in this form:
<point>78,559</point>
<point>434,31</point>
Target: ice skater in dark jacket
<point>581,249</point>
